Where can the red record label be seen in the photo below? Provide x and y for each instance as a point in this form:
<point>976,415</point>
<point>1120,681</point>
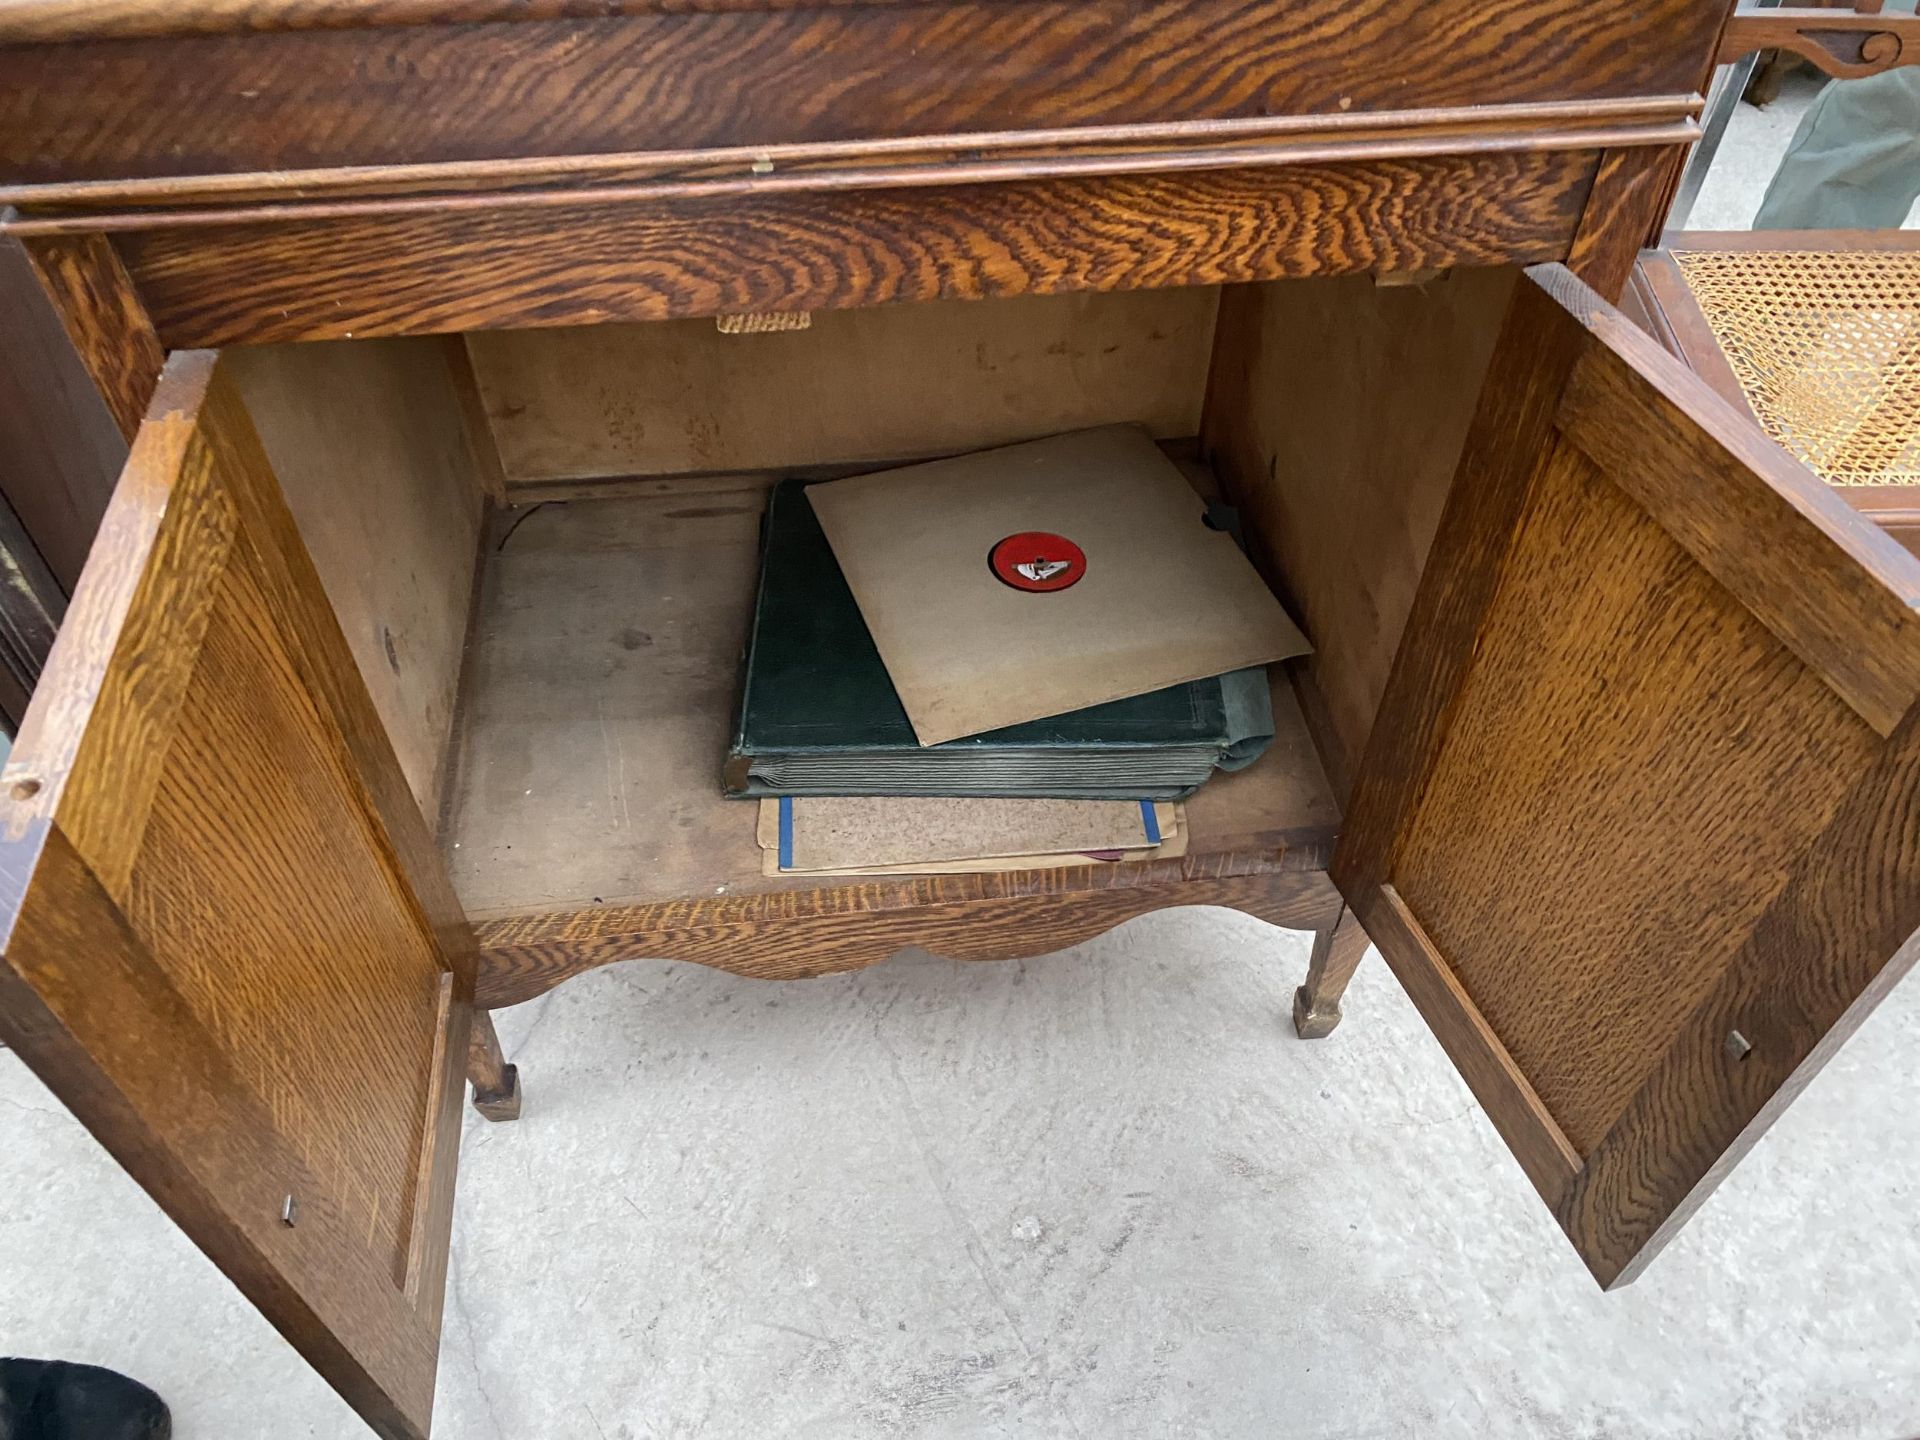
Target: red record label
<point>1038,561</point>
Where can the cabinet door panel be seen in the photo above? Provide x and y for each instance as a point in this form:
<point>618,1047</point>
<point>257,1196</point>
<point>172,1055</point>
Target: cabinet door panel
<point>1639,823</point>
<point>229,948</point>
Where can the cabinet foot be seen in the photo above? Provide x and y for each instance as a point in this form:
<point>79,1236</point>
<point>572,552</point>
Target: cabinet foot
<point>496,1084</point>
<point>1336,955</point>
<point>1310,1023</point>
<point>501,1104</point>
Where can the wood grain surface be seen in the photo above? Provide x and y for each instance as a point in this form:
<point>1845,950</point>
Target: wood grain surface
<point>887,384</point>
<point>971,157</point>
<point>496,1084</point>
<point>1660,303</point>
<point>805,934</point>
<point>105,321</point>
<point>482,447</point>
<point>1335,415</point>
<point>370,445</point>
<point>430,1240</point>
<point>1894,508</point>
<point>1510,430</point>
<point>1631,192</point>
<point>1827,581</point>
<point>47,20</point>
<point>1484,1062</point>
<point>1848,47</point>
<point>222,951</point>
<point>111,108</point>
<point>476,271</point>
<point>1844,930</point>
<point>1894,240</point>
<point>1337,952</point>
<point>43,20</point>
<point>1627,795</point>
<point>1645,715</point>
<point>166,1103</point>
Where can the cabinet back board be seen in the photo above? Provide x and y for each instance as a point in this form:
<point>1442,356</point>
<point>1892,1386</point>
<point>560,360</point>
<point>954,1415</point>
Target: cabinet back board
<point>891,383</point>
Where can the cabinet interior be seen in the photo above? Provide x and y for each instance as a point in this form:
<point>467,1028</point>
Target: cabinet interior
<point>542,544</point>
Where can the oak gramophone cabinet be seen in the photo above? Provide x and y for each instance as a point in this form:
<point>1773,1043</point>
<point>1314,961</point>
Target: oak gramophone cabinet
<point>394,670</point>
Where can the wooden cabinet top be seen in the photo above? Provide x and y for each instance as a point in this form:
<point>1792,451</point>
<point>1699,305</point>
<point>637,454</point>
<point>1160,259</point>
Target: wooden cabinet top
<point>297,169</point>
<point>116,91</point>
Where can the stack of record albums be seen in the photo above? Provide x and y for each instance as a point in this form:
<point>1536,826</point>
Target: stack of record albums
<point>1022,658</point>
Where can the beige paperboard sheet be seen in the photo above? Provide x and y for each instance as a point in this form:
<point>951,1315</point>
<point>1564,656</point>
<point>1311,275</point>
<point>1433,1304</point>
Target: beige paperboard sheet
<point>833,833</point>
<point>1172,849</point>
<point>1164,599</point>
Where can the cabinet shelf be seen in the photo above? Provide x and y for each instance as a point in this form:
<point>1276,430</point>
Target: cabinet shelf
<point>584,820</point>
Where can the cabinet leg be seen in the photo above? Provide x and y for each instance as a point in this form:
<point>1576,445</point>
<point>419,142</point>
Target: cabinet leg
<point>496,1084</point>
<point>1336,955</point>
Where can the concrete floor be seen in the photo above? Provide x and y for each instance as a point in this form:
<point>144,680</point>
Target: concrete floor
<point>1103,1194</point>
<point>1756,139</point>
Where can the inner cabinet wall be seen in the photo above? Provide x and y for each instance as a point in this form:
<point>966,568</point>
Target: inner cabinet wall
<point>1335,416</point>
<point>1332,412</point>
<point>370,444</point>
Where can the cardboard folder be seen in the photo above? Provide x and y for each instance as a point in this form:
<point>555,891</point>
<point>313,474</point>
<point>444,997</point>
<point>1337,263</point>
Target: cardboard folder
<point>1162,599</point>
<point>814,835</point>
<point>831,833</point>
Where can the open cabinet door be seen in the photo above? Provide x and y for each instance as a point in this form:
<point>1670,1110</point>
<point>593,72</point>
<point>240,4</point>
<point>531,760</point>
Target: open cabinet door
<point>229,946</point>
<point>1638,826</point>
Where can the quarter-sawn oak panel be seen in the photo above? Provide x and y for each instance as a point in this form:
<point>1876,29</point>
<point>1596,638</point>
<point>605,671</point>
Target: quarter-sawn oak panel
<point>478,269</point>
<point>1639,822</point>
<point>107,109</point>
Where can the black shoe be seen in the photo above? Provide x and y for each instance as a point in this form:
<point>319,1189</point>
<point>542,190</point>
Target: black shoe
<point>58,1400</point>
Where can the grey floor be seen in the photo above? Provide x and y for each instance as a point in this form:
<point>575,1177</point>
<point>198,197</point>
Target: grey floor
<point>1103,1194</point>
<point>1755,140</point>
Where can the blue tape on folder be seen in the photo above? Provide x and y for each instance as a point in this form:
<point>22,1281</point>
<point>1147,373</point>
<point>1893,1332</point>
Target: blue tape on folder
<point>1147,819</point>
<point>786,832</point>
